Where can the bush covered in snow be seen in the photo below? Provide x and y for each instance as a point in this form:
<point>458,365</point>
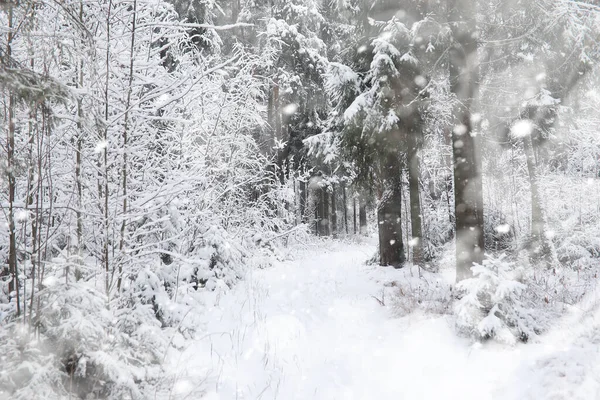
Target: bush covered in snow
<point>491,305</point>
<point>83,347</point>
<point>420,290</point>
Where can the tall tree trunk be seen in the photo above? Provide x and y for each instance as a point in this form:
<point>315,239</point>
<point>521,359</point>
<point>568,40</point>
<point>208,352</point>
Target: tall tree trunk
<point>78,177</point>
<point>302,190</point>
<point>448,175</point>
<point>78,159</point>
<point>325,221</point>
<point>334,220</point>
<point>354,215</point>
<point>104,194</point>
<point>362,217</point>
<point>415,201</point>
<point>541,245</point>
<point>125,144</point>
<point>345,207</point>
<point>13,285</point>
<point>321,211</point>
<point>30,197</point>
<point>281,156</point>
<point>468,193</point>
<point>389,213</point>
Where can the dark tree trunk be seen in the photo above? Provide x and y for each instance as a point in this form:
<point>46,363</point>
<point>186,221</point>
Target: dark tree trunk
<point>334,221</point>
<point>321,211</point>
<point>325,221</point>
<point>468,193</point>
<point>277,120</point>
<point>415,201</point>
<point>345,207</point>
<point>448,177</point>
<point>318,206</point>
<point>389,212</point>
<point>302,190</point>
<point>13,284</point>
<point>354,215</point>
<point>362,217</point>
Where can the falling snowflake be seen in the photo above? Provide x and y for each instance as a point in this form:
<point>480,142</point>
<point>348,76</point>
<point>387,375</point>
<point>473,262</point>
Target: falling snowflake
<point>100,146</point>
<point>504,228</point>
<point>522,128</point>
<point>290,109</point>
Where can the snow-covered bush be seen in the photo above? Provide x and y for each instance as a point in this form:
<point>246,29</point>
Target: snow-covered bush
<point>491,305</point>
<point>418,289</point>
<point>578,249</point>
<point>83,347</point>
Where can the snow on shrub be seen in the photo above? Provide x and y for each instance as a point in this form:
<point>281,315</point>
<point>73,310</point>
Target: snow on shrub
<point>419,289</point>
<point>578,249</point>
<point>83,346</point>
<point>491,305</point>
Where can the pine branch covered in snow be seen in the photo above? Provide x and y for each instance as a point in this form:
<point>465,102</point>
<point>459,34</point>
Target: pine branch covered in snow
<point>491,306</point>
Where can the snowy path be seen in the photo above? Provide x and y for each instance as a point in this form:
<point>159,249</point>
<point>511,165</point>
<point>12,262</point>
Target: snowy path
<point>310,329</point>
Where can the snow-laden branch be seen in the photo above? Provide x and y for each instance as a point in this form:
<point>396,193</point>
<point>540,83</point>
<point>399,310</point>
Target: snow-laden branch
<point>197,26</point>
<point>175,85</point>
<point>583,4</point>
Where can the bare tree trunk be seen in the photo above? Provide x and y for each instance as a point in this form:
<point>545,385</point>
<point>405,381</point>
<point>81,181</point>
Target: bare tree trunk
<point>542,246</point>
<point>448,177</point>
<point>362,217</point>
<point>13,285</point>
<point>78,160</point>
<point>325,221</point>
<point>104,191</point>
<point>125,143</point>
<point>322,211</point>
<point>29,203</point>
<point>345,207</point>
<point>468,193</point>
<point>354,215</point>
<point>389,213</point>
<point>278,134</point>
<point>318,204</point>
<point>334,221</point>
<point>31,187</point>
<point>302,194</point>
<point>415,201</point>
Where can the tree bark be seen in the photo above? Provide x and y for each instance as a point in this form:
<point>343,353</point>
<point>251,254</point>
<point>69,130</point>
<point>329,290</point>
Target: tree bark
<point>302,205</point>
<point>334,221</point>
<point>104,194</point>
<point>542,247</point>
<point>415,201</point>
<point>344,199</point>
<point>124,171</point>
<point>362,217</point>
<point>468,193</point>
<point>30,191</point>
<point>389,210</point>
<point>321,211</point>
<point>325,221</point>
<point>354,215</point>
<point>12,184</point>
<point>78,165</point>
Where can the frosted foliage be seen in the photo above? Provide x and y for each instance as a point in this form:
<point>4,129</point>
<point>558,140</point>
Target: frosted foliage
<point>491,305</point>
<point>106,351</point>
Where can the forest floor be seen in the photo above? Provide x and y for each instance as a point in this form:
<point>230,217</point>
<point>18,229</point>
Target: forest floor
<point>313,328</point>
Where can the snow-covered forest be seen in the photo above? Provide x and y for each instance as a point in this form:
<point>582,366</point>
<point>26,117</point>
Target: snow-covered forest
<point>299,199</point>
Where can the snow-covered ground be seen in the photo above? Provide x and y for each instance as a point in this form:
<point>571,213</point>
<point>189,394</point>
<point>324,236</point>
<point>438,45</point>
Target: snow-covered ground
<point>313,329</point>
